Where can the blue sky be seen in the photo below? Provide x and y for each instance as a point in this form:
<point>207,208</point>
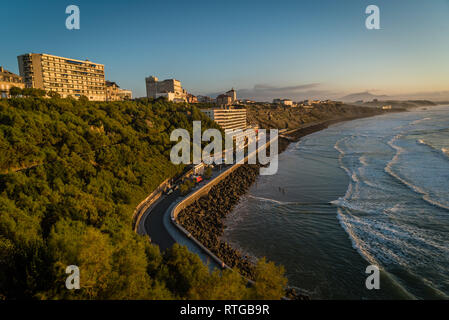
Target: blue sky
<point>265,49</point>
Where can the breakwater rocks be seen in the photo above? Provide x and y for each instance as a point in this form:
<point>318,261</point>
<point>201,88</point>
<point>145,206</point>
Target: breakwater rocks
<point>205,217</point>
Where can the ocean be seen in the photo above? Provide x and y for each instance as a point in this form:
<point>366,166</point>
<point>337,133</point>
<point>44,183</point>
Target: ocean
<point>371,191</point>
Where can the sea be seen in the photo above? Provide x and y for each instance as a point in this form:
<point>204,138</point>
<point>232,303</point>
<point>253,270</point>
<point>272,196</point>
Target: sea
<point>372,191</point>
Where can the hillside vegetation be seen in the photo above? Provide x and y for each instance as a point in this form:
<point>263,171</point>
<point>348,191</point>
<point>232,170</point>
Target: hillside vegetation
<point>71,175</point>
<point>279,117</point>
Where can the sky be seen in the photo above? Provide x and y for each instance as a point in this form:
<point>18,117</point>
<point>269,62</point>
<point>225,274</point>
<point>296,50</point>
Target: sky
<point>263,49</point>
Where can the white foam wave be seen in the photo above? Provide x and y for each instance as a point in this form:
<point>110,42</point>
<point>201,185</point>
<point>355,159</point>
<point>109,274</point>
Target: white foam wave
<point>357,243</point>
<point>363,160</point>
<point>348,172</point>
<point>398,242</point>
<point>419,121</point>
<point>444,151</point>
<point>281,203</point>
<point>421,141</point>
<point>389,169</point>
<point>344,203</point>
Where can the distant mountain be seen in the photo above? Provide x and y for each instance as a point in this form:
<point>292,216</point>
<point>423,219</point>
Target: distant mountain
<point>365,96</point>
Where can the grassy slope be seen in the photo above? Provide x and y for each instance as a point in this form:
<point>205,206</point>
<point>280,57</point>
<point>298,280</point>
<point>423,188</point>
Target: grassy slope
<point>290,118</point>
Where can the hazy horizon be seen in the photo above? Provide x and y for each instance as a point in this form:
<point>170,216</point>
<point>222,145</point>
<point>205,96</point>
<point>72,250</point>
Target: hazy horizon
<point>290,49</point>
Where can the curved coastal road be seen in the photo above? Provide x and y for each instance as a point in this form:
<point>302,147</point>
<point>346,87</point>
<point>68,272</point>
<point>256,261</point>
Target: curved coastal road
<point>154,222</point>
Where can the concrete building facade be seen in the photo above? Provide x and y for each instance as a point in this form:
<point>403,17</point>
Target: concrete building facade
<point>170,88</point>
<point>228,117</point>
<point>67,77</point>
<point>9,80</point>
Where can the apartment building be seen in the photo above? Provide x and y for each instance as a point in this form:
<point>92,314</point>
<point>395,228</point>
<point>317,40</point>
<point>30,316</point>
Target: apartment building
<point>115,93</point>
<point>228,117</point>
<point>169,88</point>
<point>68,77</point>
<point>9,80</point>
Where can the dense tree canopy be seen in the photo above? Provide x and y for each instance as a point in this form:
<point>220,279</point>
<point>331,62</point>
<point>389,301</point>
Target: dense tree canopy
<point>71,175</point>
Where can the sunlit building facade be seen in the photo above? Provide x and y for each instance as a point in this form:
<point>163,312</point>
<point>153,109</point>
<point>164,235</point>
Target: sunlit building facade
<point>9,80</point>
<point>67,77</point>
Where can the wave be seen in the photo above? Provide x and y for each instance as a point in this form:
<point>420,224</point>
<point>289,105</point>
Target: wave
<point>389,169</point>
<point>421,141</point>
<point>393,246</point>
<point>444,151</point>
<point>281,203</point>
<point>357,244</point>
<point>363,160</point>
<point>419,121</point>
<point>344,203</point>
<point>349,191</point>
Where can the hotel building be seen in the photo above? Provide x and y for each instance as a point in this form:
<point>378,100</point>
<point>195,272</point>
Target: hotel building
<point>9,80</point>
<point>170,88</point>
<point>228,117</point>
<point>68,77</point>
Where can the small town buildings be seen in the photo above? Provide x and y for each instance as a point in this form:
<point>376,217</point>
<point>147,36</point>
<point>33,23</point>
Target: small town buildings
<point>205,99</point>
<point>191,98</point>
<point>233,94</point>
<point>224,100</point>
<point>115,93</point>
<point>227,99</point>
<point>9,80</point>
<point>284,102</point>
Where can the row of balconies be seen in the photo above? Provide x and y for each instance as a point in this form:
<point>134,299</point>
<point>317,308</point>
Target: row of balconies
<point>60,85</point>
<point>68,91</point>
<point>11,79</point>
<point>74,81</point>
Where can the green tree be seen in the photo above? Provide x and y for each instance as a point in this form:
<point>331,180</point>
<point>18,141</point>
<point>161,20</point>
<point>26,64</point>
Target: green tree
<point>72,174</point>
<point>186,186</point>
<point>183,270</point>
<point>15,91</point>
<point>83,99</point>
<point>208,172</point>
<point>269,280</point>
<point>220,285</point>
<point>53,94</point>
